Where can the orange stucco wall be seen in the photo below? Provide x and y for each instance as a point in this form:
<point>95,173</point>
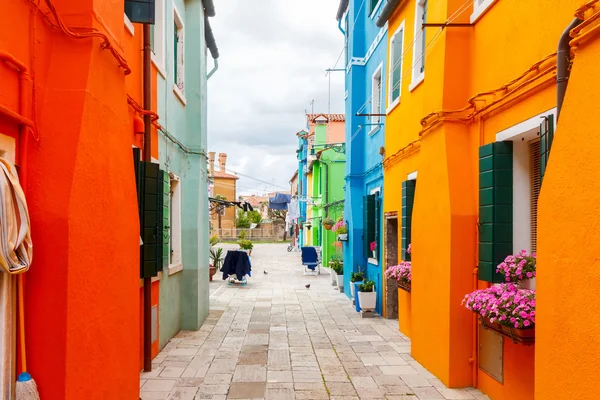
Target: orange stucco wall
<point>225,187</point>
<point>502,44</point>
<point>82,292</point>
<point>568,312</point>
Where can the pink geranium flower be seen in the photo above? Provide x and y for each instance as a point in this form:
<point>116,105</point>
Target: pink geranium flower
<point>518,267</point>
<point>505,304</point>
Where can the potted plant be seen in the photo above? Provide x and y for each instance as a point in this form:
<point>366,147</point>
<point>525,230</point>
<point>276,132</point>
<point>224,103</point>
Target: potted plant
<point>328,223</point>
<point>338,268</point>
<point>505,309</point>
<point>355,277</point>
<point>216,255</point>
<point>401,273</point>
<point>373,247</point>
<point>519,267</point>
<point>341,229</point>
<point>367,296</point>
<point>214,240</point>
<point>246,245</point>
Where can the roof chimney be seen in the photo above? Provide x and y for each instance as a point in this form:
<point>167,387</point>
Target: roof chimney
<point>222,161</point>
<point>211,163</point>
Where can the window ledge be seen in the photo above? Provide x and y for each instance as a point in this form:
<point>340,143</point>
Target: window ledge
<point>373,261</point>
<point>129,25</point>
<point>175,268</point>
<point>417,82</point>
<point>374,130</point>
<point>179,95</point>
<point>392,106</point>
<point>480,10</point>
<point>158,65</point>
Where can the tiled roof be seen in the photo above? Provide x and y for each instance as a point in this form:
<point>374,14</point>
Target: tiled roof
<point>334,117</point>
<point>224,175</point>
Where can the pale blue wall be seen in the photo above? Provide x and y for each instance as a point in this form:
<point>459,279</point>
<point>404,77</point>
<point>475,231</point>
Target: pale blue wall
<point>184,296</point>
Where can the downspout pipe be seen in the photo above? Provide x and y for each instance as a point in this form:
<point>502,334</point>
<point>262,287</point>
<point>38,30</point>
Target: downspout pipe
<point>340,27</point>
<point>211,43</point>
<point>386,12</point>
<point>147,152</point>
<point>209,8</point>
<point>563,65</point>
<point>341,9</point>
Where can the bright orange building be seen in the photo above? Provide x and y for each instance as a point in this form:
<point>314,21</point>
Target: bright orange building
<point>71,83</point>
<point>224,184</point>
<point>470,95</point>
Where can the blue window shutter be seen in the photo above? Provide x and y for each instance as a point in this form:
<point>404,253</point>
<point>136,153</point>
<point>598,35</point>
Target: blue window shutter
<point>140,11</point>
<point>408,198</point>
<point>495,208</point>
<point>546,138</point>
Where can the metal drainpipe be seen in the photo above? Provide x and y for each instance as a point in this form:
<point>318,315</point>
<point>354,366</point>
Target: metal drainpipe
<point>147,81</point>
<point>563,63</point>
<point>340,27</point>
<point>326,186</point>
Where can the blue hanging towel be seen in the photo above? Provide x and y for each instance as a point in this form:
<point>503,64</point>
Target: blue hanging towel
<point>280,201</point>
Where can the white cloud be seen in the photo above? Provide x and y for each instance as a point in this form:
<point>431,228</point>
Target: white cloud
<point>273,57</point>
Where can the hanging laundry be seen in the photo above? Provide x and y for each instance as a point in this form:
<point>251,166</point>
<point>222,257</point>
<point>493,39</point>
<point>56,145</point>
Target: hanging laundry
<point>280,201</point>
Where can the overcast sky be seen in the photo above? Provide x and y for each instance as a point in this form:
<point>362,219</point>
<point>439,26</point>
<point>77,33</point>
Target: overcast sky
<point>273,57</point>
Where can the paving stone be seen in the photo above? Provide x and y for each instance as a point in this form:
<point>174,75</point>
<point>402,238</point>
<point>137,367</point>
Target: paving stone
<point>250,373</point>
<point>279,376</point>
<point>247,390</point>
<point>274,339</point>
<point>253,358</point>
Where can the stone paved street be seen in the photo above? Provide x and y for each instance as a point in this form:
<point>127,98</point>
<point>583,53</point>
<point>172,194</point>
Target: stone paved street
<point>275,339</point>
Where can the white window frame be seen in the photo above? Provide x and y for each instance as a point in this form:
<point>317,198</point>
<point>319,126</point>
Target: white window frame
<point>378,74</point>
<point>347,55</point>
<point>392,103</point>
<point>372,15</point>
<point>176,257</point>
<point>158,55</point>
<point>520,134</point>
<point>129,25</point>
<point>479,8</point>
<point>178,22</point>
<point>418,76</point>
<point>412,176</point>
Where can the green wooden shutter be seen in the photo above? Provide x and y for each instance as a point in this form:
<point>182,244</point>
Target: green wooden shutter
<point>140,11</point>
<point>495,208</point>
<point>165,226</point>
<point>546,138</point>
<point>175,46</point>
<point>368,222</point>
<point>408,198</point>
<point>151,221</point>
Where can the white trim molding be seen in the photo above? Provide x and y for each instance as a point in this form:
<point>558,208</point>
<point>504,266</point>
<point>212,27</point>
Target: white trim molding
<point>129,25</point>
<point>527,125</point>
<point>377,75</point>
<point>412,176</point>
<point>479,8</point>
<point>375,9</point>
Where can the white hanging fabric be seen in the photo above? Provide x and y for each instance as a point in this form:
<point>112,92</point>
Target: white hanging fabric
<point>15,257</point>
<point>15,235</point>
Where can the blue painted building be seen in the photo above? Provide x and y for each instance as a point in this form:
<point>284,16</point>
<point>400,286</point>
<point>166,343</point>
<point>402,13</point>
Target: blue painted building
<point>302,153</point>
<point>366,72</point>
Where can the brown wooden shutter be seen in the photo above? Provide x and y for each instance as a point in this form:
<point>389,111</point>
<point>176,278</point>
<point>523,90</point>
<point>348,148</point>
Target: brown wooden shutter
<point>536,183</point>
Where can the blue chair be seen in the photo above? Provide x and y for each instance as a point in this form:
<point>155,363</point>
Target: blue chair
<point>310,260</point>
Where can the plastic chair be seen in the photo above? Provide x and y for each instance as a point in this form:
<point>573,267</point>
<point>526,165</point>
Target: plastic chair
<point>310,260</point>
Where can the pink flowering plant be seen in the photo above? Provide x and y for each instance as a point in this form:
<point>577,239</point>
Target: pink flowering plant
<point>400,272</point>
<point>504,304</point>
<point>340,227</point>
<point>373,246</point>
<point>518,267</point>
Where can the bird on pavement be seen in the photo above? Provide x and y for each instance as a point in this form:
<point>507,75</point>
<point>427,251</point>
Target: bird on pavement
<point>265,272</point>
<point>307,286</point>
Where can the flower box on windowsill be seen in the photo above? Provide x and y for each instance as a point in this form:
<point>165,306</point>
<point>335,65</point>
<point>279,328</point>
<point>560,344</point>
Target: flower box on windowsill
<point>403,285</point>
<point>342,237</point>
<point>517,335</point>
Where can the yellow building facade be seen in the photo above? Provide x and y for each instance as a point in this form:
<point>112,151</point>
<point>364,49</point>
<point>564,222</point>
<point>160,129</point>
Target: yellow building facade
<point>477,84</point>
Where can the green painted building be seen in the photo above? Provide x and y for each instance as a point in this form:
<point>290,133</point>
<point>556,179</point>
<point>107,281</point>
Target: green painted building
<point>327,167</point>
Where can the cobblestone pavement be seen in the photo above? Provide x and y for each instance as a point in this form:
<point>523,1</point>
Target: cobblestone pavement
<point>275,339</point>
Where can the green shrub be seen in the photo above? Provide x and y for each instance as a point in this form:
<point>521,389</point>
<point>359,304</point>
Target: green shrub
<point>357,277</point>
<point>245,244</point>
<point>328,221</point>
<point>338,267</point>
<point>367,286</point>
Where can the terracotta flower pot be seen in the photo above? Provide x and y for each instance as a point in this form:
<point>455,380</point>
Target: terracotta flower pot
<point>328,226</point>
<point>212,271</point>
